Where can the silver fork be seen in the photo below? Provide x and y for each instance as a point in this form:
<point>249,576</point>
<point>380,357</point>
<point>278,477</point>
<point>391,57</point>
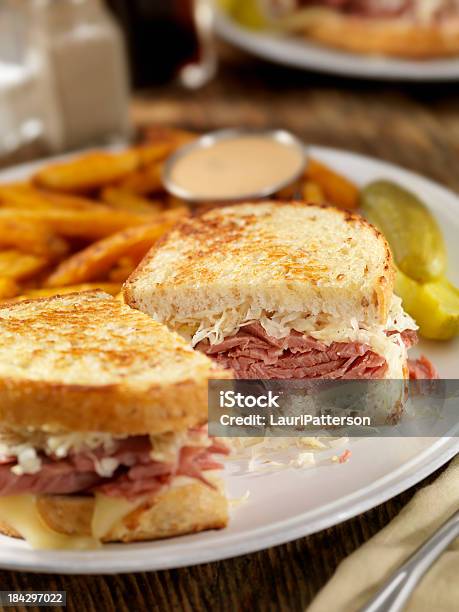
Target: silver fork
<point>396,591</point>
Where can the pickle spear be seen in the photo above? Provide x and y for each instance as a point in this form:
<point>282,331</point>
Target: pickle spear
<point>434,306</point>
<point>411,231</point>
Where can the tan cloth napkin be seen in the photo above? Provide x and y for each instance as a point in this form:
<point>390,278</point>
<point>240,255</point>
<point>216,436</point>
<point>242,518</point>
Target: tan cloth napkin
<point>360,575</point>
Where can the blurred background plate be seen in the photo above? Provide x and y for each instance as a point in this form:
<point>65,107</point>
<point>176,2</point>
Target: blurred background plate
<point>300,54</point>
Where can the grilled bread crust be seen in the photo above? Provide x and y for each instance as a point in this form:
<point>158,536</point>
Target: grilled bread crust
<point>187,509</point>
<point>277,256</point>
<point>391,37</point>
<point>87,362</point>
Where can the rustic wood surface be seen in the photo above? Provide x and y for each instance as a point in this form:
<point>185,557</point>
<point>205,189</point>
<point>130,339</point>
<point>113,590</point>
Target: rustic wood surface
<point>416,126</point>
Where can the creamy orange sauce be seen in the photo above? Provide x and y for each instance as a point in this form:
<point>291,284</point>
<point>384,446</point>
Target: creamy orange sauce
<point>230,169</point>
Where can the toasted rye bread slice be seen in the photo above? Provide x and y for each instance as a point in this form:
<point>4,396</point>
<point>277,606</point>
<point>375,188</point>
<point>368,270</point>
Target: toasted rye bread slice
<point>176,511</point>
<point>280,257</point>
<point>87,362</point>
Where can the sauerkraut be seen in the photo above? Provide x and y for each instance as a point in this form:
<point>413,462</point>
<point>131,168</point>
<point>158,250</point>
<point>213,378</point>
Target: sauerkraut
<point>217,327</point>
<point>271,454</point>
<point>26,445</point>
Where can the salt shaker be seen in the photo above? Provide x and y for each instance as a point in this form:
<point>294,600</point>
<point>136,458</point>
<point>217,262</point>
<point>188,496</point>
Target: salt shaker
<point>77,48</point>
<point>21,120</point>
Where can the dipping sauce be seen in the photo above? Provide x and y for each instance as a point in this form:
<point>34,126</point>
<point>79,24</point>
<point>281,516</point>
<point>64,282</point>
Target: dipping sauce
<point>232,165</point>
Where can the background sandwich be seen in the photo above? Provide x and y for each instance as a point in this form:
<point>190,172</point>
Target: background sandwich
<point>280,291</point>
<point>401,28</point>
<point>101,426</point>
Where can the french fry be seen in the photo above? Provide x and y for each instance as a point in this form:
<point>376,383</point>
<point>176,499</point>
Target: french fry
<point>89,171</point>
<point>337,189</point>
<point>64,200</point>
<point>156,152</point>
<point>15,184</point>
<point>312,192</point>
<point>161,134</point>
<point>94,223</point>
<point>97,259</point>
<point>19,266</point>
<point>123,268</point>
<point>32,238</point>
<point>175,202</point>
<point>144,180</point>
<point>161,142</point>
<point>30,197</point>
<point>8,288</point>
<point>21,196</point>
<point>125,200</point>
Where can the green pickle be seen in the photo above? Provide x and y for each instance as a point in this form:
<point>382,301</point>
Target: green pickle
<point>434,306</point>
<point>411,231</point>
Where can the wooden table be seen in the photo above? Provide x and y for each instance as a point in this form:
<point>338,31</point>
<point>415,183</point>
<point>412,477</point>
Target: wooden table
<point>416,126</point>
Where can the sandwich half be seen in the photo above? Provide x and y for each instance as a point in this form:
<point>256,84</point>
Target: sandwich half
<point>418,29</point>
<point>280,291</point>
<point>102,426</point>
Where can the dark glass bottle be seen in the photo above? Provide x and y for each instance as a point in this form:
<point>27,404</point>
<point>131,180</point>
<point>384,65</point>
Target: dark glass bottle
<point>162,37</point>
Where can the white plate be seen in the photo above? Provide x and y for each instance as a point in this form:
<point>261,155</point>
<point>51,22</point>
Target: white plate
<point>301,54</point>
<point>292,503</point>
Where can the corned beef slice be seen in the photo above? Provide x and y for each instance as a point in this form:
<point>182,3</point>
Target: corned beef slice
<point>137,473</point>
<point>422,369</point>
<point>252,354</point>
